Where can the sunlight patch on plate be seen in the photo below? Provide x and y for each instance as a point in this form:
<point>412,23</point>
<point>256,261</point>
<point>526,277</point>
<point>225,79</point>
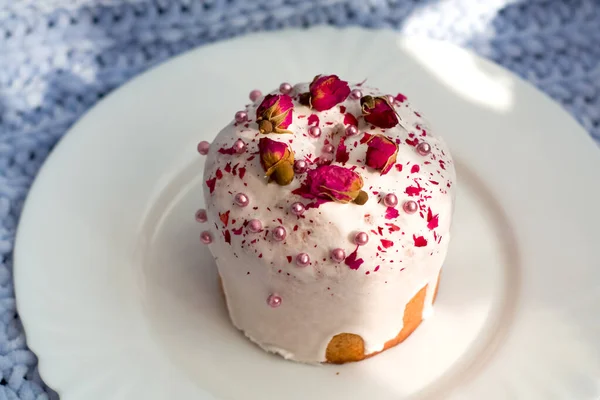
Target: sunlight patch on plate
<point>464,74</point>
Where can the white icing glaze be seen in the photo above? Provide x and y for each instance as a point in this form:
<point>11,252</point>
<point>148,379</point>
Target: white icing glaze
<point>429,297</point>
<point>327,298</point>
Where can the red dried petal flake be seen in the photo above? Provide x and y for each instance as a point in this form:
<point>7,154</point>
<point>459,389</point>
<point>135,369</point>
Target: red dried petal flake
<point>391,213</point>
<point>242,172</point>
<point>341,154</point>
<point>414,190</point>
<point>323,160</point>
<point>227,236</point>
<point>211,184</point>
<point>224,217</point>
<point>314,204</point>
<point>313,119</point>
<point>238,231</point>
<point>392,227</point>
<point>219,173</point>
<point>412,142</point>
<point>350,119</point>
<point>400,98</point>
<point>432,220</point>
<point>366,137</point>
<point>420,241</point>
<point>386,243</point>
<point>415,168</point>
<point>353,261</point>
<point>228,151</point>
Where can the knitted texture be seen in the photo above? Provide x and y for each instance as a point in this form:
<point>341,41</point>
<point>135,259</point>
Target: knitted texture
<point>59,57</point>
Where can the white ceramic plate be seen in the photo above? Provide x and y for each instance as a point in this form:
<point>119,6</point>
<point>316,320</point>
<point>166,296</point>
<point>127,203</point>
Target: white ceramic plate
<point>120,300</point>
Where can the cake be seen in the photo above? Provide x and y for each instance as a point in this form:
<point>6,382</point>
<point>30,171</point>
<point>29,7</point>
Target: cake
<point>328,212</point>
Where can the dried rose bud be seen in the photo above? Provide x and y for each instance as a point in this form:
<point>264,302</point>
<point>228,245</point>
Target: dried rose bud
<point>381,153</point>
<point>277,159</point>
<point>325,92</point>
<point>333,183</point>
<point>275,113</point>
<point>379,112</point>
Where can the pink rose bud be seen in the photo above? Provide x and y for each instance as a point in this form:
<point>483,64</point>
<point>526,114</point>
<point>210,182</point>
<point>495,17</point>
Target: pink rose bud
<point>379,112</point>
<point>381,153</point>
<point>275,113</point>
<point>325,92</point>
<point>277,159</point>
<point>333,183</point>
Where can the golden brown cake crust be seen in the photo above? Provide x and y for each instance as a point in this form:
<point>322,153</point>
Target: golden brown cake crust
<point>349,347</point>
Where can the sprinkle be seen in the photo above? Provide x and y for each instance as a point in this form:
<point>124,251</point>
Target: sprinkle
<point>400,98</point>
<point>211,184</point>
<point>391,213</point>
<point>386,243</point>
<point>313,119</point>
<point>224,217</point>
<point>228,151</point>
<point>350,119</point>
<point>420,241</point>
<point>414,190</point>
<point>227,236</point>
<point>412,142</point>
<point>352,261</point>
<point>432,220</point>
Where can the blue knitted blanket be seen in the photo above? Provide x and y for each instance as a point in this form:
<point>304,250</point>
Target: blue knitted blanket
<point>58,58</point>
